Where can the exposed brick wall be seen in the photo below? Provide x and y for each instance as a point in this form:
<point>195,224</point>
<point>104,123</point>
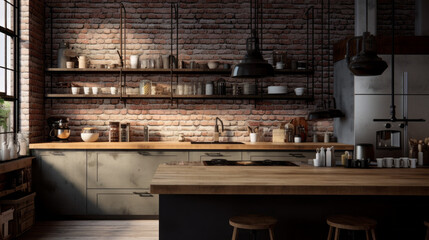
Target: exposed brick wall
<point>404,17</point>
<point>32,73</point>
<point>209,30</point>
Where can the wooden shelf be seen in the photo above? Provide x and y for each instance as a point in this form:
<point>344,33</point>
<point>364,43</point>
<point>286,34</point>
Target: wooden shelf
<point>164,71</point>
<point>226,97</point>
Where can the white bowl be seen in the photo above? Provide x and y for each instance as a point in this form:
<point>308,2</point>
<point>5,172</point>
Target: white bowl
<point>277,89</point>
<point>212,65</point>
<point>299,91</point>
<point>89,137</point>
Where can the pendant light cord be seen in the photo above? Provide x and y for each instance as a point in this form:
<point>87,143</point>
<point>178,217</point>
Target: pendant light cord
<point>392,107</point>
<point>366,14</point>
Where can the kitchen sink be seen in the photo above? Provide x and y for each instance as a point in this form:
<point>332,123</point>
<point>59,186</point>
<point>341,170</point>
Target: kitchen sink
<point>217,143</point>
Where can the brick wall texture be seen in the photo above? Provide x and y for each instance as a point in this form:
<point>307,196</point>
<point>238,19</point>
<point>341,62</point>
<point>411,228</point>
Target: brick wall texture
<point>32,69</point>
<point>208,30</point>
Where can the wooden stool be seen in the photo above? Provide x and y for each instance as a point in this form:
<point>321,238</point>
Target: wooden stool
<point>351,223</point>
<point>252,222</point>
<point>427,231</point>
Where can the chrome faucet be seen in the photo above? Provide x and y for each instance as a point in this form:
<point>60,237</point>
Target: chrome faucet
<point>216,130</point>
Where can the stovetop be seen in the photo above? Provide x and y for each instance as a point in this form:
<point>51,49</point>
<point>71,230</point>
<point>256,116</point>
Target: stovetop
<point>224,162</point>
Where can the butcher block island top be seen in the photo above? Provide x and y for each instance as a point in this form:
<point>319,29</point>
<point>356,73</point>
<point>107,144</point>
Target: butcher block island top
<point>302,180</point>
<point>187,146</point>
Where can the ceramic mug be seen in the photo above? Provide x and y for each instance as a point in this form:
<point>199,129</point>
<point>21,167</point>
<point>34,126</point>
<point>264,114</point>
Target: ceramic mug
<point>134,61</point>
<point>405,162</point>
<point>413,162</point>
<point>397,162</point>
<point>86,90</point>
<point>380,162</point>
<point>94,90</point>
<point>113,90</point>
<point>389,162</point>
<point>253,137</point>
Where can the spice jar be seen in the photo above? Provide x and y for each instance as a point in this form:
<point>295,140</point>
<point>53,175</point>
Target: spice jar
<point>114,132</point>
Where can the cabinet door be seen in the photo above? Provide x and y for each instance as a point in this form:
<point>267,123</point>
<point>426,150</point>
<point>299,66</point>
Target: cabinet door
<point>60,181</point>
<point>209,155</point>
<point>295,156</point>
<point>122,202</point>
<point>127,169</point>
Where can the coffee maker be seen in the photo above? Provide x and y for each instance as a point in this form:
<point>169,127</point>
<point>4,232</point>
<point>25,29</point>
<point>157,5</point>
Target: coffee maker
<point>59,128</point>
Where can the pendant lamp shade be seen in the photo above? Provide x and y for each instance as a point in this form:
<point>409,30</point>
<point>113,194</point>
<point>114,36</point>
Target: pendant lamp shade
<point>253,65</point>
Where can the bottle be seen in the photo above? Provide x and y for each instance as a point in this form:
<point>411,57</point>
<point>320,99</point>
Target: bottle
<point>62,58</point>
<point>322,157</point>
<point>328,158</point>
<point>209,88</point>
<point>326,138</point>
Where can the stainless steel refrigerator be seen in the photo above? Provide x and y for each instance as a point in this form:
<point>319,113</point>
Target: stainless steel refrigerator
<point>372,99</point>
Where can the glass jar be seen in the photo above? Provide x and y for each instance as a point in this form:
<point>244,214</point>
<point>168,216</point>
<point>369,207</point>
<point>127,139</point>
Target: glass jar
<point>24,149</point>
<point>114,132</point>
<point>145,87</point>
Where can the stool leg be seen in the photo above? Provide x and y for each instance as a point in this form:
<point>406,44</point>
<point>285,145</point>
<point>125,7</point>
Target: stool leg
<point>373,234</point>
<point>234,234</point>
<point>270,230</point>
<point>337,233</point>
<point>367,234</point>
<point>330,233</point>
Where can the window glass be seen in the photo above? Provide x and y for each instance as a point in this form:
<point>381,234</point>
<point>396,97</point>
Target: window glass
<point>10,16</point>
<point>9,52</point>
<point>2,49</point>
<point>10,76</point>
<point>2,13</point>
<point>6,115</point>
<point>2,81</point>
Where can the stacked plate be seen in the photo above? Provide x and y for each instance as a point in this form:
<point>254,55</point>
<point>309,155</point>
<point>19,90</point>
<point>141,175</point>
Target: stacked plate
<point>277,89</point>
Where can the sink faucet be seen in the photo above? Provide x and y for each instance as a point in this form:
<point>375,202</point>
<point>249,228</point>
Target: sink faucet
<point>216,130</point>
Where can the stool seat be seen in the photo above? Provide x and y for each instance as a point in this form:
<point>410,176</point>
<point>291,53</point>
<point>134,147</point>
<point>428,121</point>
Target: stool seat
<point>351,222</point>
<point>252,222</point>
<point>354,223</point>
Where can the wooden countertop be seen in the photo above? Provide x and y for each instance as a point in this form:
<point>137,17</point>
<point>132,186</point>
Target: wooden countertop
<point>303,180</point>
<point>187,146</point>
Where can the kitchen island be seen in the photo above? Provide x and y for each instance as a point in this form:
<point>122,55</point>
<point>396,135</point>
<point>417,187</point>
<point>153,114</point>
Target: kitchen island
<point>196,201</point>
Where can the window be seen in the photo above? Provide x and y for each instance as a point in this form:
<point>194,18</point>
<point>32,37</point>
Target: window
<point>9,64</point>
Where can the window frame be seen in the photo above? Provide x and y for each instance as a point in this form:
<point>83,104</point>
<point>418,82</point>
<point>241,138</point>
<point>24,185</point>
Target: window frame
<point>15,35</point>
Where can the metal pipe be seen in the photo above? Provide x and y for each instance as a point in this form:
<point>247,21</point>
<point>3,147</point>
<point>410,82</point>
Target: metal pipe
<point>393,107</point>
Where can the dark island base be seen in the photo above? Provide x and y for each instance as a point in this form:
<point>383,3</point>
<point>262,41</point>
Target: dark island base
<point>205,217</point>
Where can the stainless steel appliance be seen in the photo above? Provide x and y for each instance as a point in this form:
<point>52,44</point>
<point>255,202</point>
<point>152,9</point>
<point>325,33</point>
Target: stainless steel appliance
<point>372,100</point>
<point>59,128</point>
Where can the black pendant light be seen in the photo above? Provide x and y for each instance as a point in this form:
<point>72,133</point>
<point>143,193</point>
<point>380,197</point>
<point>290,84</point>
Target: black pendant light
<point>366,62</point>
<point>393,118</point>
<point>253,65</point>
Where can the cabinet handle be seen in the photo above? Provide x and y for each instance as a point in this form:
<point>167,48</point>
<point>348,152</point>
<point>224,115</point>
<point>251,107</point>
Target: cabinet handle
<point>214,154</point>
<point>297,155</point>
<point>143,194</point>
<point>144,153</point>
<point>57,153</point>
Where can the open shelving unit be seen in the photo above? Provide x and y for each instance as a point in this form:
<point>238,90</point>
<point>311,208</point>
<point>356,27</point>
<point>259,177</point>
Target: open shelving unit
<point>175,73</point>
